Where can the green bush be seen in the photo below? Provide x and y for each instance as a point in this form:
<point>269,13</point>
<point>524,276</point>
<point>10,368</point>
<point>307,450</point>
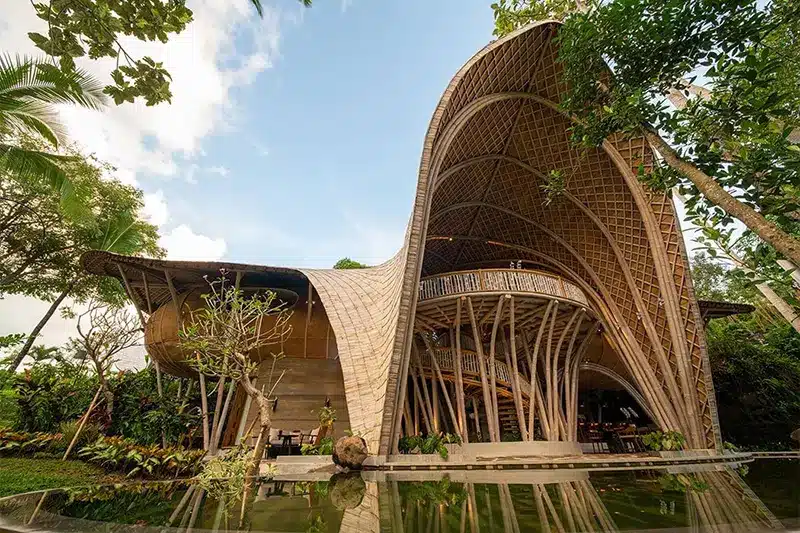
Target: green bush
<point>89,434</point>
<point>141,416</point>
<point>25,443</point>
<point>666,441</point>
<point>325,447</point>
<point>432,443</point>
<point>118,454</point>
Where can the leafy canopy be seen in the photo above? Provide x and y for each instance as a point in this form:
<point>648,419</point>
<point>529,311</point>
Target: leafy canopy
<point>346,263</point>
<point>95,29</point>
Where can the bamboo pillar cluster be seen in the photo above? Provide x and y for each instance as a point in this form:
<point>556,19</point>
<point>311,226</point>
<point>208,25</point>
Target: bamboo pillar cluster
<point>497,365</point>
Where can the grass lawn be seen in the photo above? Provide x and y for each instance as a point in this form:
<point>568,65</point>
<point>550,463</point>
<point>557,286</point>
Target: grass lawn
<point>24,475</point>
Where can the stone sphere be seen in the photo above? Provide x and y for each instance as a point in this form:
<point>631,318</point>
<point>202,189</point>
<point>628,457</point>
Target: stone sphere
<point>350,452</point>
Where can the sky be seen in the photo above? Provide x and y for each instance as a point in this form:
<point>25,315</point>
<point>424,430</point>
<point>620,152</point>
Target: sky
<point>292,140</point>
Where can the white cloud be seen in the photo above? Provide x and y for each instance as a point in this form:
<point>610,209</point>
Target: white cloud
<point>155,208</point>
<point>206,62</point>
<point>218,170</point>
<point>183,244</point>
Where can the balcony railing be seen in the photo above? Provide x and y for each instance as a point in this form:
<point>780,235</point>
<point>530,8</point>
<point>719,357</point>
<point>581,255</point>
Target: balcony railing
<point>470,365</point>
<point>499,280</point>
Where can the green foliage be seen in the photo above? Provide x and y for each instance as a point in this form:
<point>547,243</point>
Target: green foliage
<point>89,434</point>
<point>427,444</point>
<point>24,443</point>
<point>122,503</point>
<point>49,393</point>
<point>18,475</point>
<point>346,263</point>
<point>117,454</point>
<point>510,15</point>
<point>755,365</point>
<point>327,416</point>
<point>224,476</point>
<point>141,415</point>
<point>664,441</point>
<point>325,447</point>
<point>554,186</point>
<point>682,483</point>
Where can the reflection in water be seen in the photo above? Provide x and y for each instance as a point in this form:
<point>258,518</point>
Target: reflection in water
<point>715,500</point>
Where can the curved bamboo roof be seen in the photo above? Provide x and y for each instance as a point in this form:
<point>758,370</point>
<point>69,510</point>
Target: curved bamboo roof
<point>495,134</point>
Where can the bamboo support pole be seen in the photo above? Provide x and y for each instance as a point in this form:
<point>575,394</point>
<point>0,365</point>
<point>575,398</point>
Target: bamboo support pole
<point>217,412</point>
<point>82,423</point>
<point>147,299</point>
<point>438,370</point>
<point>523,428</point>
<point>493,366</point>
<point>534,364</point>
<point>548,367</point>
<point>517,398</point>
<point>487,402</point>
<point>420,404</point>
<point>462,408</point>
<point>181,504</point>
<point>540,510</point>
<point>476,413</point>
<point>424,386</point>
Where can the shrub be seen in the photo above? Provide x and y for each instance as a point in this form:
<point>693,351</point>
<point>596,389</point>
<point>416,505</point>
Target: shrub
<point>141,416</point>
<point>23,443</point>
<point>433,443</point>
<point>325,447</point>
<point>666,441</point>
<point>90,433</point>
<point>115,453</point>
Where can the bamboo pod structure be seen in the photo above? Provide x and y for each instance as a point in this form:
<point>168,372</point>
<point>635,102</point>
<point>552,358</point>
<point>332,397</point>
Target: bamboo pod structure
<point>481,231</point>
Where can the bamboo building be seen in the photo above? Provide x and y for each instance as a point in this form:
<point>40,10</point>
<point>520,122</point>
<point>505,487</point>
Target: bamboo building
<point>501,304</point>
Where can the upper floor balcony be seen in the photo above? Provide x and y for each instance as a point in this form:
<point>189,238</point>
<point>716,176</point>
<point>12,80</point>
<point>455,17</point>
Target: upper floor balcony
<point>499,281</point>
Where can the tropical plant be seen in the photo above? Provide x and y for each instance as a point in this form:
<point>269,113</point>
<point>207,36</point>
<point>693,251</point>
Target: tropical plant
<point>428,444</point>
<point>30,89</point>
<point>25,443</point>
<point>52,391</point>
<point>443,492</point>
<point>88,434</point>
<point>664,441</point>
<point>325,447</point>
<point>53,272</point>
<point>114,453</point>
<point>227,334</point>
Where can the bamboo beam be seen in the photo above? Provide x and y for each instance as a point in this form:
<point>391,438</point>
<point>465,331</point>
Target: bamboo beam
<point>441,380</point>
<point>487,402</point>
<point>556,408</point>
<point>420,404</point>
<point>174,294</point>
<point>492,366</point>
<point>147,299</point>
<point>423,385</point>
<point>548,378</point>
<point>534,363</point>
<point>462,408</point>
<point>515,369</point>
<point>308,319</point>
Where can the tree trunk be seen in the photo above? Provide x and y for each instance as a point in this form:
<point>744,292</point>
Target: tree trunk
<point>258,452</point>
<point>717,195</point>
<point>35,333</point>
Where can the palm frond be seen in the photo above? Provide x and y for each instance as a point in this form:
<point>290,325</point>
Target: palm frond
<point>32,118</point>
<point>37,79</point>
<point>44,167</point>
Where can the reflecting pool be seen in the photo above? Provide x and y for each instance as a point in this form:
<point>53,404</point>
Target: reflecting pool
<point>759,495</point>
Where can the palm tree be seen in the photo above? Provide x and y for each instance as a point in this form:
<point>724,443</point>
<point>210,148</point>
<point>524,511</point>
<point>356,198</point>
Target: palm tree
<point>30,89</point>
<point>260,9</point>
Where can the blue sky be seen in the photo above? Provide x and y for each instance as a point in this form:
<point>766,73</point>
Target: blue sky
<point>323,154</point>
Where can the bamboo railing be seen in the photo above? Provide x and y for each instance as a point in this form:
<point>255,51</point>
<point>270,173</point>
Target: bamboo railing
<point>499,280</point>
<point>470,364</point>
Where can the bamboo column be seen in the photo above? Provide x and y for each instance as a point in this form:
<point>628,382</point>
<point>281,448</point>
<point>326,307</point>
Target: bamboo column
<point>438,370</point>
<point>423,386</point>
<point>548,363</point>
<point>515,374</point>
<point>533,363</point>
<point>493,366</point>
<point>487,401</point>
<point>462,408</point>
